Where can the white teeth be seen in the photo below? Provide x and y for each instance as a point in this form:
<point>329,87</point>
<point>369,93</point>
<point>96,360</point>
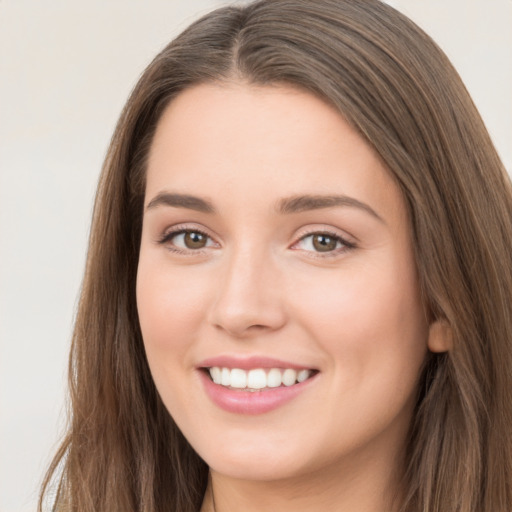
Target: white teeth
<point>238,378</point>
<point>303,375</point>
<point>289,377</point>
<point>274,378</point>
<point>216,374</point>
<point>258,378</point>
<point>225,378</point>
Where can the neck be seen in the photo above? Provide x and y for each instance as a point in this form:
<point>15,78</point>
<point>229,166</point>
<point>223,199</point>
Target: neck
<point>333,489</point>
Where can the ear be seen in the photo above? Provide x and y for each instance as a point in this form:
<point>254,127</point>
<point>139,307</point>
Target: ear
<point>440,336</point>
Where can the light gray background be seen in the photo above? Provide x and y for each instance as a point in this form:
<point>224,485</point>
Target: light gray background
<point>66,68</point>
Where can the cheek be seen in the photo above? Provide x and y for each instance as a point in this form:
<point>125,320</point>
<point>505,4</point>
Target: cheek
<point>369,319</point>
<point>370,325</point>
<point>170,305</point>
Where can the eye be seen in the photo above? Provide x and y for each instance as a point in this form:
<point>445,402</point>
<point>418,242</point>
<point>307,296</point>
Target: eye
<point>187,240</point>
<point>323,242</point>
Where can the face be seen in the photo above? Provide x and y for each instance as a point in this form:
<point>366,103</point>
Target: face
<point>277,291</point>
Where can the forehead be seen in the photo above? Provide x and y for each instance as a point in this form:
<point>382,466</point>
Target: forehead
<point>240,141</point>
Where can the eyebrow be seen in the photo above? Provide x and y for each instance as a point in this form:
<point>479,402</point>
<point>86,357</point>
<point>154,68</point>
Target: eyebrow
<point>181,201</point>
<point>303,203</point>
<point>289,205</point>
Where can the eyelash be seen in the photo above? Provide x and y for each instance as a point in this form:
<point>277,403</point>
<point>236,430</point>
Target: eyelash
<point>179,230</point>
<point>345,244</point>
<point>168,236</point>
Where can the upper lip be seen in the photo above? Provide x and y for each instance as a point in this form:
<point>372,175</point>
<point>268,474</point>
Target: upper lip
<point>249,363</point>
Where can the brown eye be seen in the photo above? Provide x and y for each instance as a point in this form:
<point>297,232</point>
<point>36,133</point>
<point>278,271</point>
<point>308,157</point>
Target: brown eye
<point>324,243</point>
<point>187,240</point>
<point>194,240</point>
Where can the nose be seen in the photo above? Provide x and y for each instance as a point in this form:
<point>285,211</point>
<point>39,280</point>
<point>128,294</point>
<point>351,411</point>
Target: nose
<point>249,300</point>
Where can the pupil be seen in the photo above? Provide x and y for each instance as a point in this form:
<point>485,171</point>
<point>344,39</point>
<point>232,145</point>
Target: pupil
<point>324,243</point>
<point>194,240</point>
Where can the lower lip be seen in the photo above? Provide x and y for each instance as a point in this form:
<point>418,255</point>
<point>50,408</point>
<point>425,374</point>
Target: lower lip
<point>247,402</point>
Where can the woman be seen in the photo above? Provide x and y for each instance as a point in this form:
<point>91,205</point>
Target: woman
<point>298,286</point>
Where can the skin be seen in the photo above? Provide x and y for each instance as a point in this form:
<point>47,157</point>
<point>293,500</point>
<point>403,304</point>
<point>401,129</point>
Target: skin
<point>260,287</point>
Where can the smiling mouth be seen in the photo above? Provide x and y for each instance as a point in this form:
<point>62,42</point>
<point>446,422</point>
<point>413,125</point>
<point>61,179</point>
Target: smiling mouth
<point>258,379</point>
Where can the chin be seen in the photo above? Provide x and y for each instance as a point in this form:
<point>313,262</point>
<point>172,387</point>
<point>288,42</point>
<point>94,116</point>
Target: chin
<point>269,470</point>
<point>260,460</point>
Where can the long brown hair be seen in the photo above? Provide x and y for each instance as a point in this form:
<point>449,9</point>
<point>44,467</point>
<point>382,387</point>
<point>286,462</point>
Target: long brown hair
<point>392,83</point>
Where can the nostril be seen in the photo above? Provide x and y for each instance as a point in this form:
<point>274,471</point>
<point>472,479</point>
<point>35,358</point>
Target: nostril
<point>243,329</point>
